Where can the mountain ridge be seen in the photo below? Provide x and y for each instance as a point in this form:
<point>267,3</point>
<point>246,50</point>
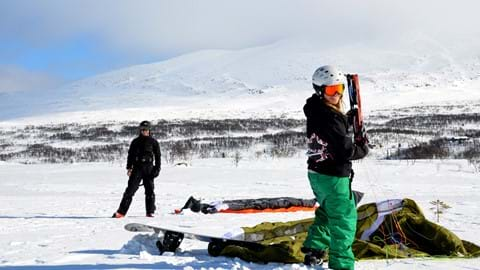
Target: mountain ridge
<point>274,78</point>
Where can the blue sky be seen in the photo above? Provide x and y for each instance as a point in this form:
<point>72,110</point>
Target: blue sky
<point>44,44</point>
<point>80,54</point>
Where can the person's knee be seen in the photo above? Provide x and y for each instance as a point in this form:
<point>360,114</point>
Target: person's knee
<point>149,191</point>
<point>130,191</point>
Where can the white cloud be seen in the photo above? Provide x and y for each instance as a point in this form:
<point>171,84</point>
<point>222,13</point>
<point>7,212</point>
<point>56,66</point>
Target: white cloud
<point>171,27</point>
<point>13,79</point>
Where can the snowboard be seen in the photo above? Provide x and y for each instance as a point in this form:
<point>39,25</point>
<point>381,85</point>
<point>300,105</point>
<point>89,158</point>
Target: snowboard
<point>172,239</point>
<point>353,84</point>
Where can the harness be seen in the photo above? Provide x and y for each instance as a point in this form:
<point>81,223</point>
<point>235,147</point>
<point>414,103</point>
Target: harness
<point>144,159</point>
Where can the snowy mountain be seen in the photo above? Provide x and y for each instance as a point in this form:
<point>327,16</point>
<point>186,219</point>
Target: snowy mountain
<point>415,89</point>
<point>271,80</point>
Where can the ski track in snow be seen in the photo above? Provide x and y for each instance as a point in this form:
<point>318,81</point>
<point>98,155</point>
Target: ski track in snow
<point>57,216</point>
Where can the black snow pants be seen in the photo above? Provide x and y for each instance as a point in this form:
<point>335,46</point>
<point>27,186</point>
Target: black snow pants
<point>142,171</point>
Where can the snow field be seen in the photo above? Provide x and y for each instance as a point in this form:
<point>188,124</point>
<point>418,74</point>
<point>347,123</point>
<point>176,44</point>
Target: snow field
<point>58,216</point>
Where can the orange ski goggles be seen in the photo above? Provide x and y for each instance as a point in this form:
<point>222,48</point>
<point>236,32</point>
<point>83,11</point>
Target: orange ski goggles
<point>331,90</point>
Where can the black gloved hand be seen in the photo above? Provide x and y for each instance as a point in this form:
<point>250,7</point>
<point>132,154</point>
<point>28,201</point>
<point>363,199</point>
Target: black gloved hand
<point>361,139</point>
<point>155,172</point>
<point>351,114</point>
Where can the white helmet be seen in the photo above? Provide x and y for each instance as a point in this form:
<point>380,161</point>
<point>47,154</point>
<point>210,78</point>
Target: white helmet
<point>327,75</point>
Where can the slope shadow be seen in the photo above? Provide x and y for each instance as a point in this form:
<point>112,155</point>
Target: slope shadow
<point>51,217</point>
<point>98,251</point>
<point>200,262</point>
<point>100,266</point>
<point>108,252</point>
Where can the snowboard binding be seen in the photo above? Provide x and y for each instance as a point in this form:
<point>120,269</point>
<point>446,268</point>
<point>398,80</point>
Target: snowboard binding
<point>171,241</point>
<point>215,248</point>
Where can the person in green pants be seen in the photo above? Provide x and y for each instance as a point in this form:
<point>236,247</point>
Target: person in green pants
<point>330,151</point>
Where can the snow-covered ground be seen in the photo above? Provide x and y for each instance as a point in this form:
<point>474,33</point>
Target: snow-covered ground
<point>57,216</point>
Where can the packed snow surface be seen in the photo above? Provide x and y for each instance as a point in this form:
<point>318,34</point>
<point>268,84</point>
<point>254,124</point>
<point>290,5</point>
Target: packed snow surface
<point>57,216</point>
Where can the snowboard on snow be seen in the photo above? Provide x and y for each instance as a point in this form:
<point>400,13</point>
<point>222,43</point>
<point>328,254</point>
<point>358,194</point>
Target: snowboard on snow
<point>353,84</point>
<point>172,239</point>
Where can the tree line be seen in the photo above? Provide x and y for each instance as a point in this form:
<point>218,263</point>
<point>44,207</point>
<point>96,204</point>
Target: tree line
<point>423,136</point>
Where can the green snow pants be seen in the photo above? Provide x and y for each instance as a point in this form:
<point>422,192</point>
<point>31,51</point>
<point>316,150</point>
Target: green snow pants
<point>335,220</point>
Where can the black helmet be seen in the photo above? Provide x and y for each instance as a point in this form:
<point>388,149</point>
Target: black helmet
<point>145,125</point>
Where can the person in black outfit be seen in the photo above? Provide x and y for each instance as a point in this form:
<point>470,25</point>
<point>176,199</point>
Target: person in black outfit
<point>143,163</point>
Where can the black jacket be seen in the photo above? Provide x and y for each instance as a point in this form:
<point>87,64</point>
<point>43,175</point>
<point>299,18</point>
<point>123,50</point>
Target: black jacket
<point>144,150</point>
<point>331,126</point>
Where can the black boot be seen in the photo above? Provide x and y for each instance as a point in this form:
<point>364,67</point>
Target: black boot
<point>313,256</point>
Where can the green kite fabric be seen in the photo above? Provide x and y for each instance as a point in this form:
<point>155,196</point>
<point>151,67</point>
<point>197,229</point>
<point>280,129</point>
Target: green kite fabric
<point>391,229</point>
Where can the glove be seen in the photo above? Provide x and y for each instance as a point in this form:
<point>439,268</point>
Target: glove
<point>351,114</point>
<point>155,172</point>
<point>361,139</point>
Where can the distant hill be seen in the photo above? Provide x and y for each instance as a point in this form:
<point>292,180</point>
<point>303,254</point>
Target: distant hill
<point>272,80</point>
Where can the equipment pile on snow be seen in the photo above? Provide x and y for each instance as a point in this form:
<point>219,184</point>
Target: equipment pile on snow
<point>389,229</point>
